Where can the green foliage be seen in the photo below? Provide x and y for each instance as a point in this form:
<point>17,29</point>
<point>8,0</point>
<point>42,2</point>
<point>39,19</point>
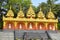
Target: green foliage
<point>16,4</point>
<point>50,4</point>
<point>1,25</point>
<point>44,7</point>
<point>53,6</point>
<point>58,26</point>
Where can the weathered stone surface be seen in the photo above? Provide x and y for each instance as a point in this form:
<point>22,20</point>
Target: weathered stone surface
<point>6,35</point>
<point>54,35</point>
<point>31,34</point>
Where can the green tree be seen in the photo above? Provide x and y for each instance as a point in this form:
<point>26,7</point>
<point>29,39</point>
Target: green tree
<point>51,2</point>
<point>16,4</point>
<point>52,5</point>
<point>43,6</point>
<point>58,26</point>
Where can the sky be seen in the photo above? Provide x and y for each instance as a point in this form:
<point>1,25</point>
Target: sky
<point>36,2</point>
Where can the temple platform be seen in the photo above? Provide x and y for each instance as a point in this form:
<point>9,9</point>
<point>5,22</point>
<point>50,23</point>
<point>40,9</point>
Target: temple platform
<point>29,35</point>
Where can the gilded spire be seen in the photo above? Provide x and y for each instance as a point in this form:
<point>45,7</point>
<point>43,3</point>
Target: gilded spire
<point>40,9</point>
<point>30,12</point>
<point>10,13</point>
<point>20,13</point>
<point>40,14</point>
<point>50,9</point>
<point>10,7</point>
<point>30,4</point>
<point>50,15</point>
<point>20,7</point>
